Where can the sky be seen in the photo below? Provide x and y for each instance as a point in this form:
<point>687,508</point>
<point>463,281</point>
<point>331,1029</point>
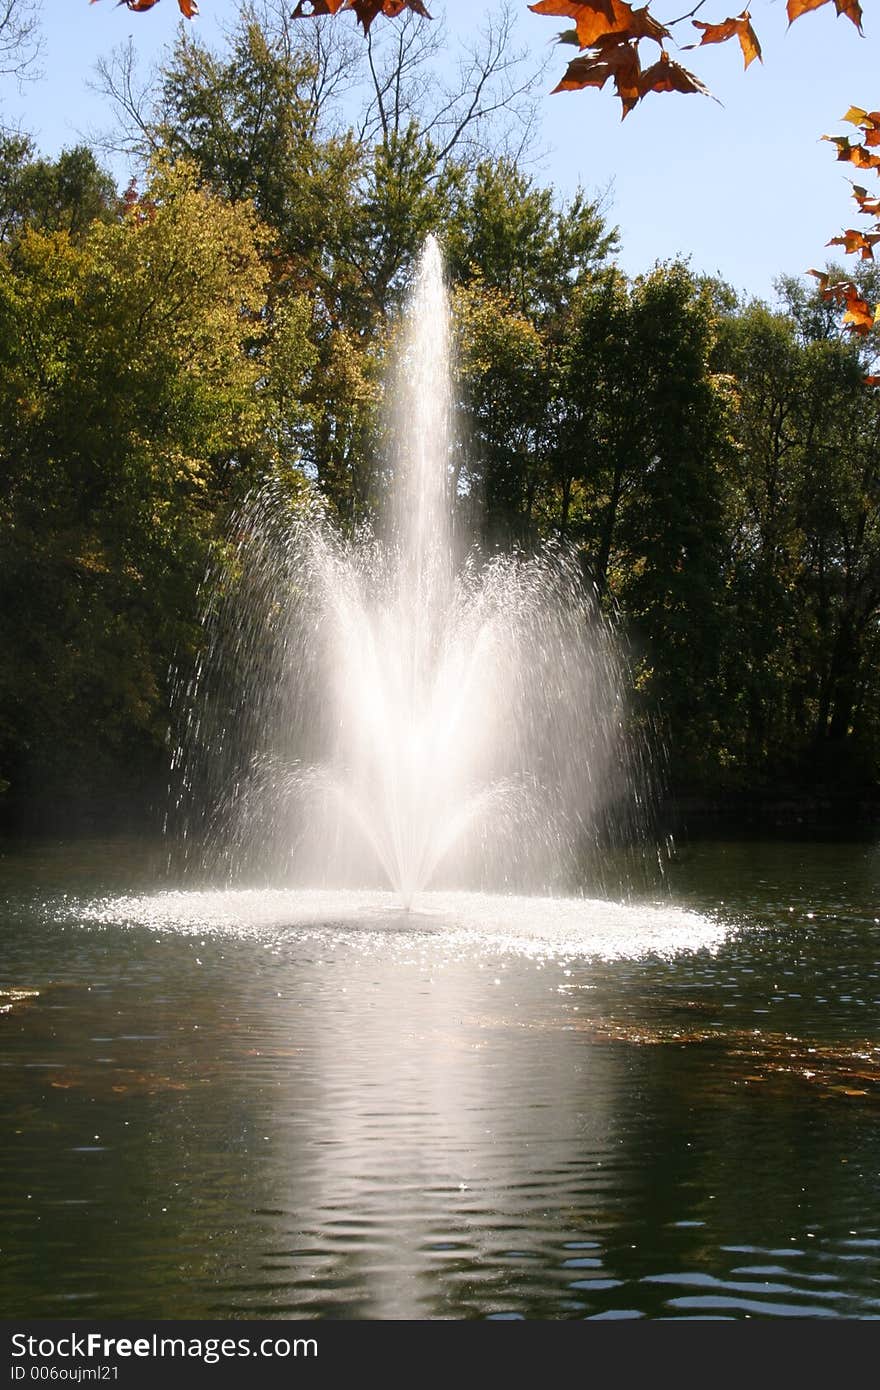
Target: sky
<point>744,186</point>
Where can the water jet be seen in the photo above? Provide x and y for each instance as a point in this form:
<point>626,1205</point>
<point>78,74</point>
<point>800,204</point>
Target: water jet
<point>395,706</point>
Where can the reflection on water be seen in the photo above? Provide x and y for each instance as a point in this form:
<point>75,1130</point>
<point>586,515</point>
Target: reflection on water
<point>239,1112</point>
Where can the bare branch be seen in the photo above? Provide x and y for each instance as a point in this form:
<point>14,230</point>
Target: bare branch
<point>489,106</point>
<point>399,60</point>
<point>21,41</point>
<point>132,93</point>
<point>493,78</point>
<point>337,56</point>
<point>379,87</point>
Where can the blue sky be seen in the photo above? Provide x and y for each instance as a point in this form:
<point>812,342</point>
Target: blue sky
<point>746,188</point>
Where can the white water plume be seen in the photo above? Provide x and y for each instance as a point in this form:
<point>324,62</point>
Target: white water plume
<point>372,710</point>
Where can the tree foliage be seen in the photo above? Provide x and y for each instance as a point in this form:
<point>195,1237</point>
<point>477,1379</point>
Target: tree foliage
<point>230,316</point>
<point>127,405</point>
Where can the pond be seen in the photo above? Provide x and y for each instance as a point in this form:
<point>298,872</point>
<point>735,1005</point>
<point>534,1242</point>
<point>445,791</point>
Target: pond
<point>266,1105</point>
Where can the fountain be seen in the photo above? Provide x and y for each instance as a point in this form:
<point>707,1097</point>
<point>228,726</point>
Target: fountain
<point>393,707</point>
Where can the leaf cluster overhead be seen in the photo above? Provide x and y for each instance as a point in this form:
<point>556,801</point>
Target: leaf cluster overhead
<point>859,316</point>
<point>608,34</point>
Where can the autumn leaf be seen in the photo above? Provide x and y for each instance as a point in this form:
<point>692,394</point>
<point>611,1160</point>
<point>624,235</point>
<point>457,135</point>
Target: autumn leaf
<point>617,60</point>
<point>868,121</point>
<point>795,8</point>
<point>868,205</point>
<point>365,10</point>
<point>740,28</point>
<point>596,19</point>
<point>668,76</point>
<point>856,116</point>
<point>853,240</point>
<point>853,154</point>
<point>851,8</point>
<point>861,157</point>
<point>859,316</point>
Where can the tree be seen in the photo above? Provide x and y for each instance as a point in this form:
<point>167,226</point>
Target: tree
<point>66,194</point>
<point>513,236</point>
<point>484,111</point>
<point>641,450</point>
<point>504,368</point>
<point>804,561</point>
<point>128,415</point>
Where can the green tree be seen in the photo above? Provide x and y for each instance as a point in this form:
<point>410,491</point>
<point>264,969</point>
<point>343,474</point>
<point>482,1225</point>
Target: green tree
<point>128,415</point>
<point>503,361</point>
<point>640,454</point>
<point>66,194</point>
<point>804,561</point>
<point>516,237</point>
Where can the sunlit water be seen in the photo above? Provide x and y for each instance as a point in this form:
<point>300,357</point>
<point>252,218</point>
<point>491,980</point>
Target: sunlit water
<point>440,924</point>
<point>252,1104</point>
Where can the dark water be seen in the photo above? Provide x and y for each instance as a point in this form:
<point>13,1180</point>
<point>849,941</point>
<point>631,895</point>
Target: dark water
<point>222,1125</point>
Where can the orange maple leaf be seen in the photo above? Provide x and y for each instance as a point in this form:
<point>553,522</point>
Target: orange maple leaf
<point>868,205</point>
<point>858,155</point>
<point>851,8</point>
<point>795,8</point>
<point>853,240</point>
<point>740,28</point>
<point>618,60</point>
<point>668,76</point>
<point>859,316</point>
<point>596,19</point>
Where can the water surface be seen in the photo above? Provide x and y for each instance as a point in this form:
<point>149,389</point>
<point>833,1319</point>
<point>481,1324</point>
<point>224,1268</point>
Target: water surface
<point>272,1107</point>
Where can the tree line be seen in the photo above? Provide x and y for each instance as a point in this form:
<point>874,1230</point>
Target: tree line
<point>228,318</point>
